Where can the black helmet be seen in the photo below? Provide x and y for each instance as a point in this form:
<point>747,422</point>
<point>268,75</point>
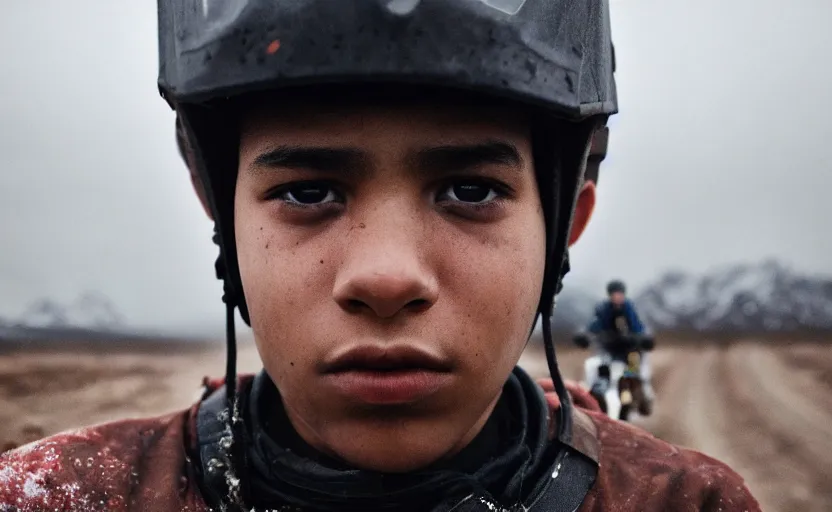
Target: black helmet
<point>616,286</point>
<point>553,55</point>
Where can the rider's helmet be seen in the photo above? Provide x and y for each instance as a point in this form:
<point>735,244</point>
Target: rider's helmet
<point>553,55</point>
<point>616,286</point>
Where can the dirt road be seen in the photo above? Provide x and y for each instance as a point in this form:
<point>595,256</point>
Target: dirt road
<point>765,410</point>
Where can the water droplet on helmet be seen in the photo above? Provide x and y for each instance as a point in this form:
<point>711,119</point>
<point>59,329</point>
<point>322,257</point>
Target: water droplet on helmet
<point>402,7</point>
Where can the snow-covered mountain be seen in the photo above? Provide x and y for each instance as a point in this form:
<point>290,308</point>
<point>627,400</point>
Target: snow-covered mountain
<point>764,297</point>
<point>768,296</point>
<point>90,311</point>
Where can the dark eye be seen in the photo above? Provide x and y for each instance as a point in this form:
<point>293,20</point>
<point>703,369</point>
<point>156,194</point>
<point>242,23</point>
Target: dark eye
<point>474,192</point>
<point>308,194</point>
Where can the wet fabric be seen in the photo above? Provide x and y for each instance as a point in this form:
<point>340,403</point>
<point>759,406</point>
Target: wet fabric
<point>146,465</point>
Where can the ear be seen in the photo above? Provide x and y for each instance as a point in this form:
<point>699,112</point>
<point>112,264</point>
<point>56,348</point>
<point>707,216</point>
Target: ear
<point>583,211</point>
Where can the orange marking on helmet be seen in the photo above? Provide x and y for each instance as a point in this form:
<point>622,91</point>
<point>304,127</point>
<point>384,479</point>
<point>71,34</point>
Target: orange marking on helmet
<point>273,47</point>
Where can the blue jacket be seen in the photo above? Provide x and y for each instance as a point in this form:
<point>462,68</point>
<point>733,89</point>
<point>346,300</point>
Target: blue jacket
<point>604,320</point>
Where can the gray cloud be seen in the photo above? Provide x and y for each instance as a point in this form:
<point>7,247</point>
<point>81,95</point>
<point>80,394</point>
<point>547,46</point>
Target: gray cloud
<point>719,153</point>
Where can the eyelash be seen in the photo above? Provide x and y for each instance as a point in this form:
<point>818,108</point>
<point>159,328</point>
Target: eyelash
<point>278,192</point>
<point>501,192</point>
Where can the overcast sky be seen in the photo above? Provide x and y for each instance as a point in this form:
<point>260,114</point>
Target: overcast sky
<point>719,155</point>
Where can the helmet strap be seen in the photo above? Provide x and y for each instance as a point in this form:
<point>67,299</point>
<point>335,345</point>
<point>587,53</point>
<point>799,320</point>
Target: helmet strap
<point>233,442</point>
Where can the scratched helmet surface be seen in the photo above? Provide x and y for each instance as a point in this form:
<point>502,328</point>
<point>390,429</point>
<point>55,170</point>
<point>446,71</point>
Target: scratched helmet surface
<point>552,52</point>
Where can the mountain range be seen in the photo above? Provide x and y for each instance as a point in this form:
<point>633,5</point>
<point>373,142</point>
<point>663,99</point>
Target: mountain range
<point>92,317</point>
<point>91,310</point>
<point>767,296</point>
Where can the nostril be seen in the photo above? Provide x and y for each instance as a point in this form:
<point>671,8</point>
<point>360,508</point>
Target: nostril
<point>418,305</point>
<point>355,305</point>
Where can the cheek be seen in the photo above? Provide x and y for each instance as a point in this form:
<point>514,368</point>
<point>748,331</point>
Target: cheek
<point>496,284</point>
<point>284,284</point>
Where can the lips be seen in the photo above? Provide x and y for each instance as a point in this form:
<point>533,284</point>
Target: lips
<point>381,375</point>
<point>381,359</point>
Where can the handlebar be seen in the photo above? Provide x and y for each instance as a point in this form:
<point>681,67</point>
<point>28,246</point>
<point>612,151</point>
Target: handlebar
<point>628,342</point>
<point>616,343</point>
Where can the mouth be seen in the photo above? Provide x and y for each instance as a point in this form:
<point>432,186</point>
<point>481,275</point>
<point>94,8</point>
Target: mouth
<point>386,359</point>
<point>374,375</point>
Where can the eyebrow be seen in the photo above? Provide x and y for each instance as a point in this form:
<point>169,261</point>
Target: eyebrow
<point>322,159</point>
<point>443,159</point>
<point>433,160</point>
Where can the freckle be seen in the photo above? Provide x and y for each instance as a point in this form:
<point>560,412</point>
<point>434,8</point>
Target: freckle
<point>292,363</point>
<point>267,245</point>
<point>322,262</point>
<point>362,225</point>
<point>297,243</point>
<point>261,228</point>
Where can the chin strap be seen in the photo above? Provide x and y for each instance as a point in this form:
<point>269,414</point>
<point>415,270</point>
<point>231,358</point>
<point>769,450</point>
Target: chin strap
<point>230,358</point>
<point>564,426</point>
<point>234,439</point>
<point>547,307</point>
<point>231,459</point>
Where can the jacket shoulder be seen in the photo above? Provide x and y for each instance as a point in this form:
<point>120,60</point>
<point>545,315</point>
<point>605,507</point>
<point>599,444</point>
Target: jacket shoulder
<point>95,468</point>
<point>650,474</point>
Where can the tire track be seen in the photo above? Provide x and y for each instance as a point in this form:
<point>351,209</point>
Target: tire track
<point>788,434</point>
<point>779,474</point>
<point>670,382</point>
<point>813,365</point>
<point>793,392</point>
<point>698,410</point>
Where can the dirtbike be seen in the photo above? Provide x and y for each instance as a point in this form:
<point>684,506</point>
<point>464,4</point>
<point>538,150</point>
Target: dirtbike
<point>614,374</point>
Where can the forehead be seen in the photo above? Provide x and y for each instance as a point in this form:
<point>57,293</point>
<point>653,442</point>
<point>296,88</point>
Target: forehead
<point>386,120</point>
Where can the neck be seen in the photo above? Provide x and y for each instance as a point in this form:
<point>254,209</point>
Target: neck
<point>495,457</point>
<point>419,453</point>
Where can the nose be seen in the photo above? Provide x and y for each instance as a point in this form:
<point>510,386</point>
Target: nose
<point>383,276</point>
<point>385,294</point>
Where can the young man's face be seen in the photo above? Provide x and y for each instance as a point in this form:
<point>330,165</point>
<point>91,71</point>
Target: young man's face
<point>618,298</point>
<point>392,260</point>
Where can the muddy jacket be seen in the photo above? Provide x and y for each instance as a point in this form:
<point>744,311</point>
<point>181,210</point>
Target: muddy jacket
<point>152,464</point>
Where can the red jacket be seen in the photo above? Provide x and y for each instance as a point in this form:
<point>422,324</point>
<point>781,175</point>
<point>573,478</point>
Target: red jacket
<point>143,465</point>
